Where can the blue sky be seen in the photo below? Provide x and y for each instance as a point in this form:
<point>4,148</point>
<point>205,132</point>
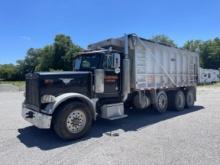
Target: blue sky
<point>34,23</point>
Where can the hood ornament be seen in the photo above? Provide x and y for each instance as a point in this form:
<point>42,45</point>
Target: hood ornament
<point>66,80</point>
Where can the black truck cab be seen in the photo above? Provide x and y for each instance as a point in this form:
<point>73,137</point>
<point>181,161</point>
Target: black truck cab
<point>93,88</point>
<point>110,63</point>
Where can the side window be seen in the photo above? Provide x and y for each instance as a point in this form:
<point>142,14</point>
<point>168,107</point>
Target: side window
<point>108,62</point>
<point>90,62</point>
<point>85,63</point>
<point>209,75</point>
<point>76,63</point>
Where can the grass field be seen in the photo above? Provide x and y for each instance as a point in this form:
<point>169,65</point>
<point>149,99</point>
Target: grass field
<point>211,85</point>
<point>18,84</point>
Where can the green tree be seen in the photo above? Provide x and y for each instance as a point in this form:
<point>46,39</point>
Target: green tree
<point>62,45</point>
<point>193,45</point>
<point>68,59</point>
<point>45,62</point>
<point>32,59</point>
<point>164,39</point>
<point>56,56</point>
<point>7,72</point>
<point>59,55</point>
<point>21,69</point>
<point>209,52</point>
<point>29,63</point>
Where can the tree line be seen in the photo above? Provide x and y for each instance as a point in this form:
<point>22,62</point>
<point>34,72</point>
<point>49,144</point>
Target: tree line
<point>59,56</point>
<point>55,56</point>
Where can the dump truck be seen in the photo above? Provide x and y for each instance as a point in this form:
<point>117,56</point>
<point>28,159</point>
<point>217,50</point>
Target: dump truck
<point>110,75</point>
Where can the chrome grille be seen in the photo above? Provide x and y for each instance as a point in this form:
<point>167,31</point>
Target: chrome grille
<point>32,96</point>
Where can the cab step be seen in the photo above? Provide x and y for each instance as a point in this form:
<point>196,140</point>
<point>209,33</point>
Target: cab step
<point>113,111</point>
<point>118,117</point>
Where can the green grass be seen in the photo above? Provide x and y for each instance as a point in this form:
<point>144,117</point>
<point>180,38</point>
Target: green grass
<point>18,84</point>
<point>211,85</point>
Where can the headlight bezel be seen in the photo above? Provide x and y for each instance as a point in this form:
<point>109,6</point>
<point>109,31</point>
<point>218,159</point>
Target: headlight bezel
<point>47,99</point>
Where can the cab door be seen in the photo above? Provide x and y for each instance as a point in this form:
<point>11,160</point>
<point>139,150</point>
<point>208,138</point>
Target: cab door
<point>112,74</point>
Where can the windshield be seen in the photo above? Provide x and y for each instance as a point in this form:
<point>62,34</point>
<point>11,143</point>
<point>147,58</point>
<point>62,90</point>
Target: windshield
<point>86,62</point>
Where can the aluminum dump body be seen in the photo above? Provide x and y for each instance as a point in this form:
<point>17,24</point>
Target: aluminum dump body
<point>159,66</point>
<point>156,65</point>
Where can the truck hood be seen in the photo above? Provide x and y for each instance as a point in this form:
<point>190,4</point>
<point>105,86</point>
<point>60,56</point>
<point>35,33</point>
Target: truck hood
<point>57,83</point>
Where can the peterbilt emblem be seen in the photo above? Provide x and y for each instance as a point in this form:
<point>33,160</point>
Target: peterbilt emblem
<point>66,80</point>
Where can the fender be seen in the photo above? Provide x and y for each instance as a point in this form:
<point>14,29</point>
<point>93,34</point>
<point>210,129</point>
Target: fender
<point>50,108</point>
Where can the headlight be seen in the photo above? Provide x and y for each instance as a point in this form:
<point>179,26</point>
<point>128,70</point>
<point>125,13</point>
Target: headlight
<point>48,99</point>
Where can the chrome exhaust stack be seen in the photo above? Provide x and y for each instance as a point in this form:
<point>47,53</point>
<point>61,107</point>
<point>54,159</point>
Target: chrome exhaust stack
<point>126,70</point>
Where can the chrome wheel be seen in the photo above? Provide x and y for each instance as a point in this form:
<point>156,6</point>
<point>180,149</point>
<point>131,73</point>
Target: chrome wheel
<point>162,101</point>
<point>76,121</point>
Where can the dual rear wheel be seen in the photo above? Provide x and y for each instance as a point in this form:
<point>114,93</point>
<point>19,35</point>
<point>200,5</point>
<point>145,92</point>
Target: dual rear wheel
<point>190,98</point>
<point>74,119</point>
<point>161,102</point>
<point>175,100</point>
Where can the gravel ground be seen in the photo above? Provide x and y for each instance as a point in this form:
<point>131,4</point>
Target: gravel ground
<point>8,88</point>
<point>188,137</point>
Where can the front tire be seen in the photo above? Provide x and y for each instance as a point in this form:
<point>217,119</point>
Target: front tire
<point>72,121</point>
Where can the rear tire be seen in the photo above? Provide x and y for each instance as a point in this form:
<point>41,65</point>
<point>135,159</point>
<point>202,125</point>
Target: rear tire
<point>161,102</point>
<point>190,98</point>
<point>176,100</point>
<point>141,102</point>
<point>72,121</point>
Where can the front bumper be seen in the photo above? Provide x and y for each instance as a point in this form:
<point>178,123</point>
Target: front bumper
<point>40,120</point>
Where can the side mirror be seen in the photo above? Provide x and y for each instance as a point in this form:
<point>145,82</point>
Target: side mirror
<point>99,80</point>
